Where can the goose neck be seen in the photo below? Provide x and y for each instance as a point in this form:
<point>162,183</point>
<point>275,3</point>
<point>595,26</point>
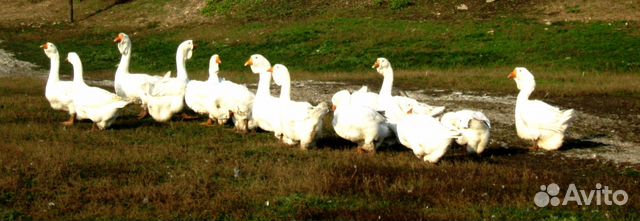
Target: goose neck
<point>54,71</point>
<point>387,82</point>
<point>123,67</point>
<point>264,84</point>
<point>181,71</point>
<point>77,74</point>
<point>285,90</point>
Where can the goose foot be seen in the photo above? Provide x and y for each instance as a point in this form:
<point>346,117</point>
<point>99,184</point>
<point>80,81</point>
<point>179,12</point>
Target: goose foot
<point>94,127</point>
<point>185,116</point>
<point>209,123</point>
<point>70,122</point>
<point>534,148</point>
<point>144,113</point>
<point>359,150</point>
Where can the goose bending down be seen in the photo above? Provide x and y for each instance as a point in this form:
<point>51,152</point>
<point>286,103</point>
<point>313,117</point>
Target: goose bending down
<point>94,103</point>
<point>383,67</point>
<point>474,128</point>
<point>358,123</point>
<point>165,97</point>
<point>300,122</point>
<point>59,93</point>
<point>426,136</point>
<point>126,84</point>
<point>536,120</point>
<point>265,111</point>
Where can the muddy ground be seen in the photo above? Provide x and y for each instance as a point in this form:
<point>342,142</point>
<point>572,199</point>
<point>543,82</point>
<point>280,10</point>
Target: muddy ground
<point>605,127</point>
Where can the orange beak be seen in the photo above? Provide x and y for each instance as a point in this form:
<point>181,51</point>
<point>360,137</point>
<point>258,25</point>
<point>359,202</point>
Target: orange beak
<point>410,111</point>
<point>513,75</point>
<point>218,61</point>
<point>118,39</point>
<point>249,62</point>
<point>45,46</point>
<point>195,46</point>
<point>376,65</point>
<point>333,107</point>
<point>270,70</point>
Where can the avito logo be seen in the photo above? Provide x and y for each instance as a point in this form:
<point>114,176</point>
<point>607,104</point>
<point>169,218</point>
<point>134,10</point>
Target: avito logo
<point>601,195</point>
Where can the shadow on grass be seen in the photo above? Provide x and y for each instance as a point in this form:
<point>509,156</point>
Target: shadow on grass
<point>583,143</point>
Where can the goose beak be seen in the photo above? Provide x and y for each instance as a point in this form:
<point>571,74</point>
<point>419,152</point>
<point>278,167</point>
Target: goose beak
<point>118,39</point>
<point>249,62</point>
<point>195,46</point>
<point>44,46</point>
<point>333,107</point>
<point>376,65</point>
<point>513,75</point>
<point>270,70</point>
<point>218,61</point>
<point>410,111</point>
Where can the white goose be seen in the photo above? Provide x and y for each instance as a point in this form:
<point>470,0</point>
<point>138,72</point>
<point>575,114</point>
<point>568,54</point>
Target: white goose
<point>425,135</point>
<point>357,123</point>
<point>94,103</point>
<point>202,96</point>
<point>265,111</point>
<point>536,120</point>
<point>130,85</point>
<point>59,93</point>
<point>165,97</point>
<point>474,128</point>
<point>300,122</point>
<point>383,67</point>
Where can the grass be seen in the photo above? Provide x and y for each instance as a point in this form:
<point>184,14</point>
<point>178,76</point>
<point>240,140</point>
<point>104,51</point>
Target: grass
<point>144,170</point>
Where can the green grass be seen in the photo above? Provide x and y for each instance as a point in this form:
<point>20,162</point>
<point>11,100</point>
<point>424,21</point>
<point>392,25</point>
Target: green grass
<point>352,44</point>
<point>181,170</point>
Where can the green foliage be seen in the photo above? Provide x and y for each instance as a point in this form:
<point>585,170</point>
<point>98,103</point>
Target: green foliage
<point>400,4</point>
<point>224,7</point>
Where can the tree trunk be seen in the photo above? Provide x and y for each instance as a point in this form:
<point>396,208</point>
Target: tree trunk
<point>71,11</point>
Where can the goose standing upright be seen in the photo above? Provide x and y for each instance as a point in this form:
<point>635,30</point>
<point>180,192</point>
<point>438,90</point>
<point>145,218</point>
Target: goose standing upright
<point>165,97</point>
<point>474,128</point>
<point>536,120</point>
<point>126,84</point>
<point>265,111</point>
<point>94,103</point>
<point>202,96</point>
<point>383,67</point>
<point>58,93</point>
<point>300,122</point>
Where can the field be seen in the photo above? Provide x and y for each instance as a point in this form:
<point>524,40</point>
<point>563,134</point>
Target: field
<point>144,170</point>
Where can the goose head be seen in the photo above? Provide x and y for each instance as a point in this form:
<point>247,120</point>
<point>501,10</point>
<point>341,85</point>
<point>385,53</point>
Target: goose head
<point>73,58</point>
<point>258,63</point>
<point>381,65</point>
<point>523,78</point>
<point>124,43</point>
<point>214,63</point>
<point>186,48</point>
<point>50,50</point>
<point>280,74</point>
<point>340,98</point>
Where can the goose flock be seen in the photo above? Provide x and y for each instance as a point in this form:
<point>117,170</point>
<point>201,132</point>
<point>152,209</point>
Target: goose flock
<point>370,119</point>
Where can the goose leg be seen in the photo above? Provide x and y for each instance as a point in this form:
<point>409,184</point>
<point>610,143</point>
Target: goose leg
<point>71,121</point>
<point>94,127</point>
